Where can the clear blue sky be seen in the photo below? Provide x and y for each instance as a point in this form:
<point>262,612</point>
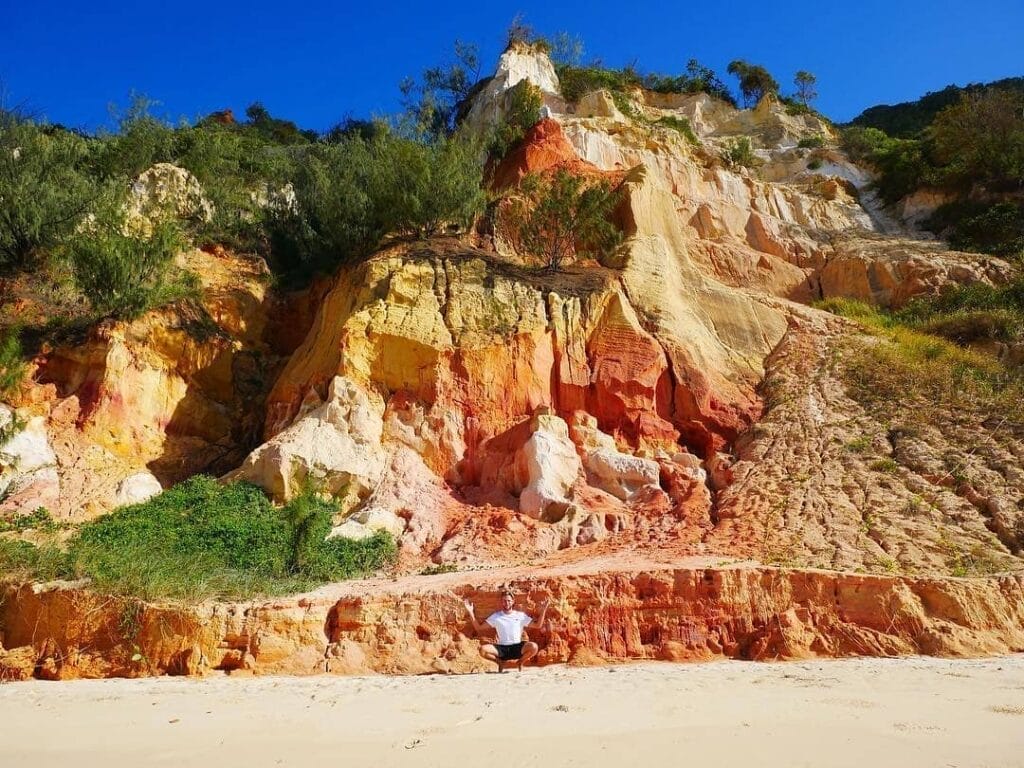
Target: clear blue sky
<point>316,62</point>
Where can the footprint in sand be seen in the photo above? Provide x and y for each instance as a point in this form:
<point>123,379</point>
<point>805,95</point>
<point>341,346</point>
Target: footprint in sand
<point>1007,710</point>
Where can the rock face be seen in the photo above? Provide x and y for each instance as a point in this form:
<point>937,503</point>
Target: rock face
<point>416,627</point>
<point>142,404</point>
<point>167,190</point>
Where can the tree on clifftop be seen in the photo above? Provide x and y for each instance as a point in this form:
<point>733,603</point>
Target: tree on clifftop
<point>755,81</point>
<point>806,87</point>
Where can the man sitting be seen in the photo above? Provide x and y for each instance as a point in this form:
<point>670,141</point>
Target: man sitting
<point>508,623</point>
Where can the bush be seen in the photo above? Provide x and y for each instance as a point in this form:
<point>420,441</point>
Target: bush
<point>811,142</point>
<point>916,372</point>
<point>525,101</point>
<point>739,152</point>
<point>351,194</point>
<point>554,217</point>
<point>44,190</point>
<point>201,538</point>
<point>682,126</point>
<point>124,273</point>
<point>902,164</point>
<point>12,363</point>
<point>980,139</point>
<point>755,81</point>
<point>982,228</point>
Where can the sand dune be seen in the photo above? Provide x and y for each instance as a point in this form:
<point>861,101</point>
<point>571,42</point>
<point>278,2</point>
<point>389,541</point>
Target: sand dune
<point>877,712</point>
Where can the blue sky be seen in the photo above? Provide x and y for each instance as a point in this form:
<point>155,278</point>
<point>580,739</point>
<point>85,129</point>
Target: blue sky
<point>317,62</point>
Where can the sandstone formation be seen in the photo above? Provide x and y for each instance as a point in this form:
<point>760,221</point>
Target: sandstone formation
<point>662,443</point>
<point>418,625</point>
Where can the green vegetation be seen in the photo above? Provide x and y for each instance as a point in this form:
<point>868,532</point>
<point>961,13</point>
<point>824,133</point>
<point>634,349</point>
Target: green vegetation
<point>680,125</point>
<point>38,520</point>
<point>908,119</point>
<point>755,81</point>
<point>811,142</point>
<point>918,366</point>
<point>739,152</point>
<point>202,539</point>
<point>44,189</point>
<point>525,101</point>
<point>124,274</point>
<point>806,87</point>
<point>577,81</point>
<point>972,149</point>
<point>12,364</point>
<point>996,228</point>
<point>554,217</point>
<point>352,193</point>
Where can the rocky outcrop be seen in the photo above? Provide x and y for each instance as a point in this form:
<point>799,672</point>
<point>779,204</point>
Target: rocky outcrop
<point>418,625</point>
<point>166,190</point>
<point>142,404</point>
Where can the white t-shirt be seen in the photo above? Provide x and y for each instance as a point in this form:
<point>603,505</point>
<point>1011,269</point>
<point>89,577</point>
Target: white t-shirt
<point>509,626</point>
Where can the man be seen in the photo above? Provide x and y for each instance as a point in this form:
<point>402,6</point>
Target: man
<point>508,623</point>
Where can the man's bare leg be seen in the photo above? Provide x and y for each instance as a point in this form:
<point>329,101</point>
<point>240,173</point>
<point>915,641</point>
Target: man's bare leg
<point>490,653</point>
<point>529,651</point>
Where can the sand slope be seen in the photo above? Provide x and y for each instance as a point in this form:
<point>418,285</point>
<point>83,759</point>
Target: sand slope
<point>879,712</point>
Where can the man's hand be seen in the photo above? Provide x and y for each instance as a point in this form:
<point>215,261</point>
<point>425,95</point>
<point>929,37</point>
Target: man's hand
<point>469,606</point>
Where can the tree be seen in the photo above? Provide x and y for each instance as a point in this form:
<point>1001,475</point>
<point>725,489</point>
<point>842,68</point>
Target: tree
<point>980,139</point>
<point>554,217</point>
<point>44,190</point>
<point>703,79</point>
<point>431,104</point>
<point>123,272</point>
<point>567,50</point>
<point>806,90</point>
<point>755,81</point>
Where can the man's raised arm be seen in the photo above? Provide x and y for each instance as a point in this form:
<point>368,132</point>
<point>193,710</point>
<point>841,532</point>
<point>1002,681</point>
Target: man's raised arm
<point>543,615</point>
<point>478,627</point>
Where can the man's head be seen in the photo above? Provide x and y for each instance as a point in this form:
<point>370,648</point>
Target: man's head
<point>507,600</point>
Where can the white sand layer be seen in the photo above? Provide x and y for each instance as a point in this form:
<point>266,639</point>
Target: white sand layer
<point>862,712</point>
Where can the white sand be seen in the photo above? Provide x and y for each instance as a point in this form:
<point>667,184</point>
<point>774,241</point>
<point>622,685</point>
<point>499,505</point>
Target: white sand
<point>864,712</point>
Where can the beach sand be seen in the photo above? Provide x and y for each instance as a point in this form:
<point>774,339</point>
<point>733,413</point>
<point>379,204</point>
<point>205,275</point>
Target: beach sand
<point>858,712</point>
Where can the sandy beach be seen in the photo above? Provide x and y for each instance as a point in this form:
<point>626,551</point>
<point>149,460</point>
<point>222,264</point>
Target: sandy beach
<point>879,712</point>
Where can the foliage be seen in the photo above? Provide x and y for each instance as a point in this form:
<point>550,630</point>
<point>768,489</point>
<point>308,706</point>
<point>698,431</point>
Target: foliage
<point>969,225</point>
<point>680,125</point>
<point>39,519</point>
<point>12,362</point>
<point>806,87</point>
<point>123,272</point>
<point>432,102</point>
<point>902,163</point>
<point>44,189</point>
<point>577,81</point>
<point>981,139</point>
<point>525,101</point>
<point>908,119</point>
<point>274,130</point>
<point>970,312</point>
<point>811,142</point>
<point>739,152</point>
<point>910,368</point>
<point>41,563</point>
<point>349,195</point>
<point>201,538</point>
<point>755,81</point>
<point>567,50</point>
<point>556,216</point>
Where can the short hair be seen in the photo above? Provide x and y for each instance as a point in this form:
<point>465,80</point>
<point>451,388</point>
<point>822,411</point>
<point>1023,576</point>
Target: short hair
<point>508,592</point>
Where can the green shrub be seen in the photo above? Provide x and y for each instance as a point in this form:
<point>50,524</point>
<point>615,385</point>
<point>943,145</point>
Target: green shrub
<point>123,273</point>
<point>739,152</point>
<point>21,559</point>
<point>755,81</point>
<point>12,363</point>
<point>682,126</point>
<point>811,142</point>
<point>525,101</point>
<point>44,190</point>
<point>351,194</point>
<point>40,520</point>
<point>201,538</point>
<point>982,227</point>
<point>554,217</point>
<point>916,372</point>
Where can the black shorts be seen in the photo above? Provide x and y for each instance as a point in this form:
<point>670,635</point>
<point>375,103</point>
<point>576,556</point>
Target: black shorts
<point>510,652</point>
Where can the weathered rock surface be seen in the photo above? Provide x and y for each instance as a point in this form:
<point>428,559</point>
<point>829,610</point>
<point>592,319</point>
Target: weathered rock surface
<point>418,625</point>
